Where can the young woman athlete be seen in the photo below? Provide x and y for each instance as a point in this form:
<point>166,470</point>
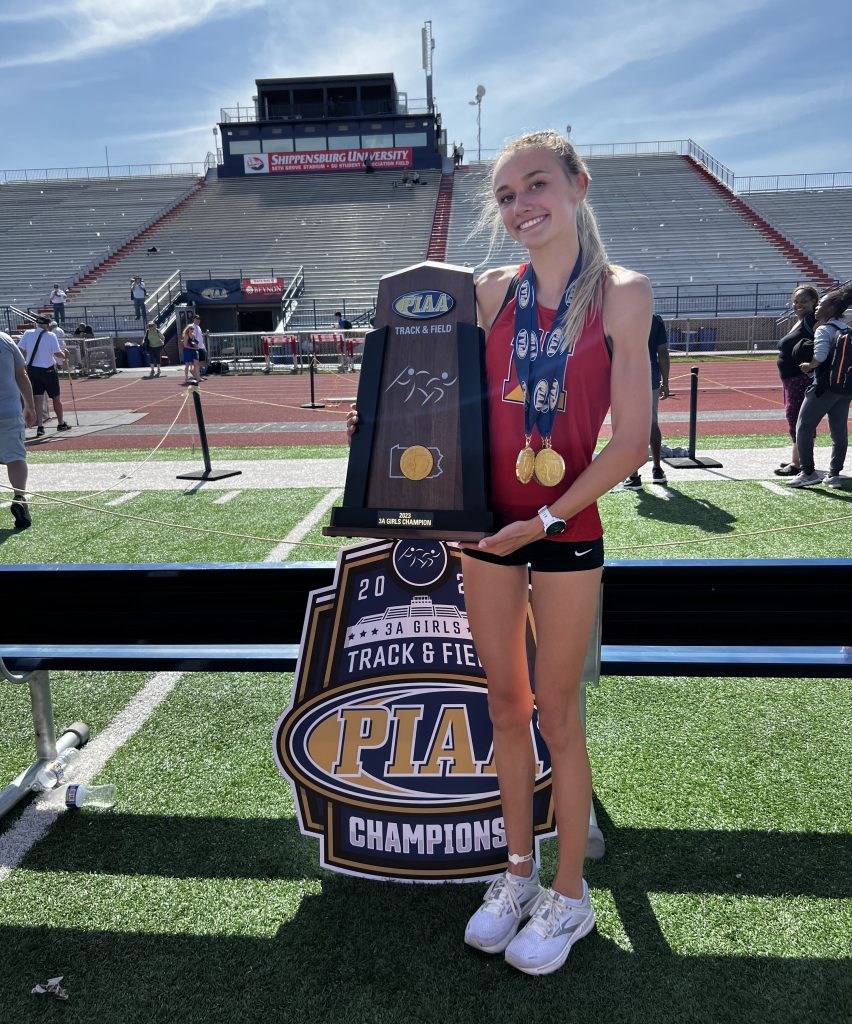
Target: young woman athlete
<point>569,331</point>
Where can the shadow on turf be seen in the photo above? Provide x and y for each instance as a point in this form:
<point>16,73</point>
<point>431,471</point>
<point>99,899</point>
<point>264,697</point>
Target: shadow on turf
<point>685,511</point>
<point>638,860</point>
<point>364,951</point>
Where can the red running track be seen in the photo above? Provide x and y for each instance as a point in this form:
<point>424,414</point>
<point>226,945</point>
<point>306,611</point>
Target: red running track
<point>271,402</point>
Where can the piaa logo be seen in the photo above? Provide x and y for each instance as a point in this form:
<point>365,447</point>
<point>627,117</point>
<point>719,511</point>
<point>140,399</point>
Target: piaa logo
<point>387,741</point>
<point>256,163</point>
<point>423,305</point>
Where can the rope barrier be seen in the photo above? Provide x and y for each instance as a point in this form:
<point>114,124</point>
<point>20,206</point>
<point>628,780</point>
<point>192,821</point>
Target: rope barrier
<point>48,499</point>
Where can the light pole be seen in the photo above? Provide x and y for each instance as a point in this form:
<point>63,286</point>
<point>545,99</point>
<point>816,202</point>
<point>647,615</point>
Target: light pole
<point>216,143</point>
<point>480,92</point>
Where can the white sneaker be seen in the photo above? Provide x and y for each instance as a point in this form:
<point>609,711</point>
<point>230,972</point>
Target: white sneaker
<point>835,481</point>
<point>544,944</point>
<point>805,479</point>
<point>507,901</point>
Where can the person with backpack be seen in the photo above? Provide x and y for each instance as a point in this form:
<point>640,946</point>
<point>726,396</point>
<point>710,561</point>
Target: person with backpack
<point>830,393</point>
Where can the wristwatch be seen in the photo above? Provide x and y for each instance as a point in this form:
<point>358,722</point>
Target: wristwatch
<point>552,524</point>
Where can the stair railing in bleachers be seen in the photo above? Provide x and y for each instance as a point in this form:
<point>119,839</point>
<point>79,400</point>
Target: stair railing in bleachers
<point>162,301</point>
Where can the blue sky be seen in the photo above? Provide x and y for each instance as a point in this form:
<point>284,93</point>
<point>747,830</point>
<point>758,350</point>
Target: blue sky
<point>763,86</point>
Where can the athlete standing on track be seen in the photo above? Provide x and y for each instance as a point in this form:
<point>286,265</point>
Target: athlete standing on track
<point>572,334</point>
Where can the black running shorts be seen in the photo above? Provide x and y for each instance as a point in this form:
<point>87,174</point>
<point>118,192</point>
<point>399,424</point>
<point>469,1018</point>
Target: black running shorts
<point>549,555</point>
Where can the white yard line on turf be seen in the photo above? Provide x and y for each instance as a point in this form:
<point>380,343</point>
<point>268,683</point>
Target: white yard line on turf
<point>44,810</point>
<point>283,551</point>
<point>227,497</point>
<point>120,500</point>
<point>785,492</point>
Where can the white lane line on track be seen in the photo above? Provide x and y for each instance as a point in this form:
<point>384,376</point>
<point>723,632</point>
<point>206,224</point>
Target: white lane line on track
<point>120,500</point>
<point>227,497</point>
<point>36,819</point>
<point>785,492</point>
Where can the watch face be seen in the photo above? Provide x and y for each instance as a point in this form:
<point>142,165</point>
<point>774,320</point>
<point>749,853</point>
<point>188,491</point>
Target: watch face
<point>557,526</point>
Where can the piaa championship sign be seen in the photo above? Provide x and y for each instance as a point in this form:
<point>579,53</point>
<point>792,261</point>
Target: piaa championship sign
<point>387,741</point>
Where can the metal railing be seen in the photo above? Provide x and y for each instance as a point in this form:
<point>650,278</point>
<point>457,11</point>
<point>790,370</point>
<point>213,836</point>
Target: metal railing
<point>249,113</point>
<point>288,351</point>
<point>162,301</point>
<point>757,298</point>
<point>107,171</point>
<point>793,182</point>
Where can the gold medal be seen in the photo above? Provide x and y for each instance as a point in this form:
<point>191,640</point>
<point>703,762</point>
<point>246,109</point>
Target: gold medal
<point>525,464</point>
<point>549,467</point>
<point>416,462</point>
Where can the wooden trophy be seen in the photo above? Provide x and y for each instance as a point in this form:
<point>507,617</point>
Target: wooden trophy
<point>418,462</point>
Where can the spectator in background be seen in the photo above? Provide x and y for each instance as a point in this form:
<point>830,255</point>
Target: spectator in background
<point>368,164</point>
<point>138,292</point>
<point>347,344</point>
<point>60,337</point>
<point>820,400</point>
<point>57,300</point>
<point>83,331</point>
<point>461,153</point>
<point>201,344</point>
<point>41,347</point>
<point>189,355</point>
<point>17,410</point>
<point>658,349</point>
<point>797,346</point>
<point>455,155</point>
<point>154,342</point>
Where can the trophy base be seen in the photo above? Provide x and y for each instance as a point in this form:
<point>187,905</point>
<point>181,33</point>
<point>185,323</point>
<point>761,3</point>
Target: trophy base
<point>385,533</point>
<point>419,524</point>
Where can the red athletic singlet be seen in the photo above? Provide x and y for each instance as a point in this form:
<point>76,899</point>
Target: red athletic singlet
<point>583,405</point>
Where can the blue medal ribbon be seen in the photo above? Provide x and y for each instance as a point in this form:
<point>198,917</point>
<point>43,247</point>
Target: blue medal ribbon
<point>539,355</point>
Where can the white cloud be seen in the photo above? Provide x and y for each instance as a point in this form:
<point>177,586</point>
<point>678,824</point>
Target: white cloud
<point>96,26</point>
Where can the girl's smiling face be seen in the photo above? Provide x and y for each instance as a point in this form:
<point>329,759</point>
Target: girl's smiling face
<point>537,200</point>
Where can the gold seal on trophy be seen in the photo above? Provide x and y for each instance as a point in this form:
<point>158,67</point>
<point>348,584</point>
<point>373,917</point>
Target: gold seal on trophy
<point>549,467</point>
<point>416,462</point>
<point>525,464</point>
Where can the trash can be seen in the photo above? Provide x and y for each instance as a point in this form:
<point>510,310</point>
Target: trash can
<point>134,356</point>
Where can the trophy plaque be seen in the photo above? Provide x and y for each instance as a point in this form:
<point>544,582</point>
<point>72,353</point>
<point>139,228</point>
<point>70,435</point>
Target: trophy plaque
<point>418,461</point>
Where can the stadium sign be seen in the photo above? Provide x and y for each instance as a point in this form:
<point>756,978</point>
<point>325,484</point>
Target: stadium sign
<point>204,291</point>
<point>262,289</point>
<point>387,741</point>
<point>327,160</point>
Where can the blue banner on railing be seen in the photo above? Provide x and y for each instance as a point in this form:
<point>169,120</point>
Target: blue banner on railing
<point>206,291</point>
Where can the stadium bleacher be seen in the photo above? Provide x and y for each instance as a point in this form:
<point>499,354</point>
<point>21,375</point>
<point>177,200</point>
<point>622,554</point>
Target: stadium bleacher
<point>820,221</point>
<point>346,230</point>
<point>656,212</point>
<point>52,231</point>
<point>656,215</point>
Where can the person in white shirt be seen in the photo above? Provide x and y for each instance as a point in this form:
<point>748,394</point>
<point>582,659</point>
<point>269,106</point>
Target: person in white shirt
<point>54,328</point>
<point>200,344</point>
<point>57,300</point>
<point>138,292</point>
<point>16,410</point>
<point>41,348</point>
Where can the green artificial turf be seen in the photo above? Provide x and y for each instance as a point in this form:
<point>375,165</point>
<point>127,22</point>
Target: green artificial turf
<point>721,898</point>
